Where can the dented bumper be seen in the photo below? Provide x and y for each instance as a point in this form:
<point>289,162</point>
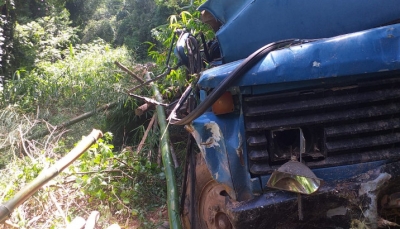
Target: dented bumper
<point>360,200</point>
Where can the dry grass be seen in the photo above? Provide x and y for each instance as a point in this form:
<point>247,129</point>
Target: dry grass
<point>56,203</point>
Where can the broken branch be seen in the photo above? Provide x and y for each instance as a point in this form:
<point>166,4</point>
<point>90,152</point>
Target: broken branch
<point>128,71</point>
<point>152,80</point>
<point>143,108</point>
<point>141,144</point>
<point>149,100</point>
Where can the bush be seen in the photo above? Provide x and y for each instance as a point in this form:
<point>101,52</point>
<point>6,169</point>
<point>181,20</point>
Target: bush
<point>118,185</point>
<point>126,181</point>
<point>43,40</point>
<point>99,29</point>
<point>84,79</point>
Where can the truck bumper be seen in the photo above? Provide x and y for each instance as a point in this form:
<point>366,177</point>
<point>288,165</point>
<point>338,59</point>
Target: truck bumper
<point>367,199</point>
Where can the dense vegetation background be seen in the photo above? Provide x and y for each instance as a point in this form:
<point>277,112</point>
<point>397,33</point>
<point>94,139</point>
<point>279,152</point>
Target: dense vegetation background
<point>57,62</point>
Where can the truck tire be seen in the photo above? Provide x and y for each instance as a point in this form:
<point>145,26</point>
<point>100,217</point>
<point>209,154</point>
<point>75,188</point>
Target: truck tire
<point>211,199</point>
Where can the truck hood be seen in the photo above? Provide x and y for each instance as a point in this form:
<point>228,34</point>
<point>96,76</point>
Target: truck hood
<point>369,51</point>
<point>249,24</point>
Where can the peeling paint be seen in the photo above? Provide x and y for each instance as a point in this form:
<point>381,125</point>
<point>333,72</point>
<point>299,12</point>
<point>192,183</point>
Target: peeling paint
<point>215,138</point>
<point>208,143</point>
<point>211,77</point>
<point>316,64</point>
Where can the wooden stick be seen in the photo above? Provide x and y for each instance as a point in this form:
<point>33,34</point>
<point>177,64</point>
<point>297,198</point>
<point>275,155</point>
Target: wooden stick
<point>152,80</point>
<point>143,108</point>
<point>128,71</point>
<point>59,209</point>
<point>149,100</point>
<point>141,144</point>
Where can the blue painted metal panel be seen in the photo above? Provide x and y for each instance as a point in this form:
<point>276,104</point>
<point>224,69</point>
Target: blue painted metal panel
<point>368,51</point>
<point>211,142</point>
<point>220,139</point>
<point>328,60</point>
<point>250,24</point>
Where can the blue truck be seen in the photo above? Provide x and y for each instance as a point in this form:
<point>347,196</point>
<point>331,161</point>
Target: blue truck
<point>298,116</point>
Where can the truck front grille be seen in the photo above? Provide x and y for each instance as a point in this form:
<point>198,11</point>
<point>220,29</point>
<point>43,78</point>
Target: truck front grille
<point>347,124</point>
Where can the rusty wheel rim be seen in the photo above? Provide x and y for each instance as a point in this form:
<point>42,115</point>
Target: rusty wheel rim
<point>212,207</point>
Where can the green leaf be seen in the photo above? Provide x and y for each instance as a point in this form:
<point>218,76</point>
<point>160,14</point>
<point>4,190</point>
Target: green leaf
<point>125,200</point>
<point>135,212</point>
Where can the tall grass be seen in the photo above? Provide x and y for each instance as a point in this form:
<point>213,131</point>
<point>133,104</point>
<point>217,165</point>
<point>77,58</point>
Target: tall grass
<point>67,79</point>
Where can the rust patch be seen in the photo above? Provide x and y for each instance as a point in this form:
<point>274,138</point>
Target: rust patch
<point>213,206</point>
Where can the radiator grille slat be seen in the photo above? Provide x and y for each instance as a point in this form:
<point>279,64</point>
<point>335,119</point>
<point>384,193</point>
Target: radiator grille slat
<point>331,101</point>
<point>257,140</point>
<point>362,142</point>
<point>362,127</point>
<point>258,155</point>
<point>319,117</point>
<point>345,124</point>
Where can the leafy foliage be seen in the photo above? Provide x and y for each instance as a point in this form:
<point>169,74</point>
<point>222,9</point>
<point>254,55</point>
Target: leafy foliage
<point>65,79</point>
<point>165,34</point>
<point>43,40</point>
<point>64,68</point>
<point>119,22</point>
<point>33,9</point>
<point>99,29</point>
<point>82,10</point>
<point>130,183</point>
<point>18,171</point>
<point>134,28</point>
<point>118,184</point>
<point>7,20</point>
<point>84,79</point>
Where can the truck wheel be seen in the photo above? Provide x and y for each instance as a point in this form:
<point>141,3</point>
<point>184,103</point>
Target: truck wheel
<point>211,199</point>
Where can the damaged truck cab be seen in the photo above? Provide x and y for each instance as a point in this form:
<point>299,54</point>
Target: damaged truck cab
<point>307,135</point>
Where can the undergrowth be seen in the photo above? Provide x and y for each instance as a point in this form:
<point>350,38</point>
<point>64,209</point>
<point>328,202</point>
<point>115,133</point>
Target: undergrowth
<point>58,78</point>
<point>122,186</point>
<point>67,80</point>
